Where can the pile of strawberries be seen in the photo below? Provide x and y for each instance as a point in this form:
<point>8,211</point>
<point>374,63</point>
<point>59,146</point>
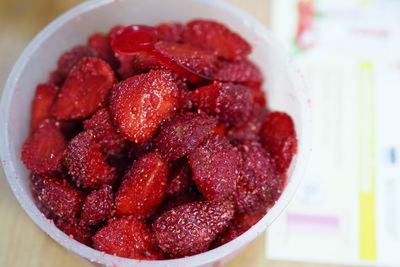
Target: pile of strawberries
<point>130,158</point>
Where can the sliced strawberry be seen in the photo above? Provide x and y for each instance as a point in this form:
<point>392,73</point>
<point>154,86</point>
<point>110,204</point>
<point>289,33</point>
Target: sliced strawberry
<point>136,151</point>
<point>221,129</point>
<point>85,90</point>
<point>217,38</point>
<point>189,229</point>
<point>71,128</point>
<point>134,65</point>
<point>143,187</point>
<point>259,96</point>
<point>244,72</point>
<point>98,206</point>
<point>73,229</point>
<point>278,136</point>
<point>44,98</point>
<point>215,166</point>
<point>60,197</point>
<point>140,104</point>
<point>42,152</point>
<point>230,102</point>
<point>106,134</point>
<point>101,46</point>
<point>172,31</point>
<point>233,231</point>
<point>180,181</point>
<point>127,237</point>
<point>86,163</point>
<point>183,133</point>
<point>195,58</point>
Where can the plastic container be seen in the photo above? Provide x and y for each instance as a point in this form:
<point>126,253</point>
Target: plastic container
<point>286,92</point>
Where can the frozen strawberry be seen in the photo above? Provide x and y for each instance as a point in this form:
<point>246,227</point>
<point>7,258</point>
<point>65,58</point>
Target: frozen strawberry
<point>71,128</point>
<point>230,102</point>
<point>180,181</point>
<point>136,151</point>
<point>217,38</point>
<point>250,130</point>
<point>189,229</point>
<point>233,231</point>
<point>85,90</point>
<point>143,187</point>
<point>72,228</point>
<point>172,31</point>
<point>42,152</point>
<point>125,66</point>
<point>244,72</point>
<point>127,237</point>
<point>221,129</point>
<point>42,101</point>
<point>260,185</point>
<point>183,133</point>
<point>98,206</point>
<point>69,59</point>
<point>259,96</point>
<point>215,166</point>
<point>195,58</point>
<point>140,104</point>
<point>101,46</point>
<point>58,195</point>
<point>278,136</point>
<point>86,163</point>
<point>106,134</point>
<point>248,219</point>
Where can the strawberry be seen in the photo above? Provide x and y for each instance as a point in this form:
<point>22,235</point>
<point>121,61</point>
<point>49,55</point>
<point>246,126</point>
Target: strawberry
<point>127,237</point>
<point>231,103</point>
<point>180,181</point>
<point>106,134</point>
<point>260,185</point>
<point>197,59</point>
<point>143,187</point>
<point>98,206</point>
<point>244,72</point>
<point>44,97</point>
<point>86,163</point>
<point>136,151</point>
<point>134,65</point>
<point>233,231</point>
<point>140,104</point>
<point>215,166</point>
<point>68,60</point>
<point>221,129</point>
<point>189,229</point>
<point>259,96</point>
<point>278,136</point>
<point>42,152</point>
<point>217,38</point>
<point>73,229</point>
<point>101,46</point>
<point>85,90</point>
<point>60,197</point>
<point>172,31</point>
<point>71,128</point>
<point>183,133</point>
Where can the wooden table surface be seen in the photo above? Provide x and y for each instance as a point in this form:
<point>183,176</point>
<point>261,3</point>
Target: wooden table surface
<point>21,242</point>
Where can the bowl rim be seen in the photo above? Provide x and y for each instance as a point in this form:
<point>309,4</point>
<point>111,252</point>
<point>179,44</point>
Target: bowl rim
<point>213,255</point>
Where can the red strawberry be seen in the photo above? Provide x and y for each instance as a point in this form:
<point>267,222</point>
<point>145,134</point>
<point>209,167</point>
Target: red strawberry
<point>278,136</point>
<point>58,196</point>
<point>217,38</point>
<point>127,237</point>
<point>180,180</point>
<point>221,129</point>
<point>140,104</point>
<point>260,185</point>
<point>248,219</point>
<point>73,229</point>
<point>250,130</point>
<point>195,58</point>
<point>259,96</point>
<point>101,45</point>
<point>183,133</point>
<point>69,59</point>
<point>230,102</point>
<point>86,163</point>
<point>244,72</point>
<point>106,134</point>
<point>42,152</point>
<point>86,89</point>
<point>134,65</point>
<point>189,229</point>
<point>143,187</point>
<point>215,166</point>
<point>171,31</point>
<point>42,101</point>
<point>71,128</point>
<point>98,206</point>
<point>136,151</point>
<point>233,231</point>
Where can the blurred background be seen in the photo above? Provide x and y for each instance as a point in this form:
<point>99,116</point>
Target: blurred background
<point>347,210</point>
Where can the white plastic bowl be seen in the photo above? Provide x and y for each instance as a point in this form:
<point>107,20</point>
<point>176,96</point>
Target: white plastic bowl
<point>286,92</point>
